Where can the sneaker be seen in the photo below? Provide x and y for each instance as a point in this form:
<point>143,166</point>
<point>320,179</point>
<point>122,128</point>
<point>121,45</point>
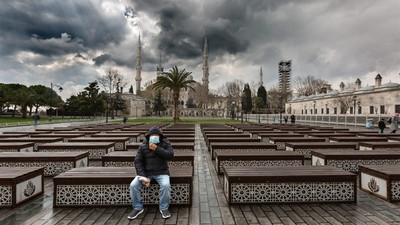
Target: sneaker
<point>165,213</point>
<point>135,213</point>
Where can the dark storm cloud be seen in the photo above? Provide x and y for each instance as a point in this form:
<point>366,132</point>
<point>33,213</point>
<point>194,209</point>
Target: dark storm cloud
<point>100,60</point>
<point>38,26</point>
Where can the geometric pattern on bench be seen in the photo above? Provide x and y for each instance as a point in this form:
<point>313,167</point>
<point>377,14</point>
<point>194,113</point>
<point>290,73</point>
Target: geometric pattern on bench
<point>292,192</point>
<point>241,150</point>
<point>352,165</point>
<point>93,153</point>
<point>5,195</point>
<point>132,164</point>
<point>118,194</point>
<point>50,168</point>
<point>307,152</point>
<point>240,163</point>
<point>395,190</point>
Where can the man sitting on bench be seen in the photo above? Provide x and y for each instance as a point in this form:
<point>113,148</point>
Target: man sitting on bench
<point>151,163</point>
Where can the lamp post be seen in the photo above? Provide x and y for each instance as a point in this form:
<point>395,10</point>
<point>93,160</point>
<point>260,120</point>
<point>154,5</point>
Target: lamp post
<point>315,117</point>
<point>51,96</point>
<point>359,106</point>
<point>355,100</point>
<point>233,110</point>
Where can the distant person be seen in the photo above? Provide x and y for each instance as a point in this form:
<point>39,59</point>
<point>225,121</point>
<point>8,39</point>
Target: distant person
<point>293,119</point>
<point>394,126</point>
<point>124,120</point>
<point>285,118</point>
<point>151,163</point>
<point>381,125</point>
<point>36,119</point>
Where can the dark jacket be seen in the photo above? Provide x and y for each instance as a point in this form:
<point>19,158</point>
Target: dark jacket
<point>381,125</point>
<point>149,162</point>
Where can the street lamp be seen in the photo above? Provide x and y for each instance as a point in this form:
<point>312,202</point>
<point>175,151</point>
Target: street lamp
<point>355,100</point>
<point>51,96</point>
<point>233,110</point>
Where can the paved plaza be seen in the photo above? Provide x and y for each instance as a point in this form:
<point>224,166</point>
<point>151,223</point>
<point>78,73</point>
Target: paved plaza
<point>209,207</point>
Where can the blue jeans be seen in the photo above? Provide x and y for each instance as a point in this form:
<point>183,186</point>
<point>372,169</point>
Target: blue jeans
<point>165,191</point>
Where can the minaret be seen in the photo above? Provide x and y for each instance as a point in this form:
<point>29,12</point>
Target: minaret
<point>261,77</point>
<point>205,65</point>
<point>160,69</point>
<point>138,66</point>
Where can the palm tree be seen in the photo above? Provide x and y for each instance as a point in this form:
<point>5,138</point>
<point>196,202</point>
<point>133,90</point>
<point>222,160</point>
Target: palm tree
<point>175,80</point>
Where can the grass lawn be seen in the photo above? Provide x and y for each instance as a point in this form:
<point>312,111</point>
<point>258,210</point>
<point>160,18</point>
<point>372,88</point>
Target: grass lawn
<point>183,120</point>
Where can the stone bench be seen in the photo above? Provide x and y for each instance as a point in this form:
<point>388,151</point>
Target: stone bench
<point>307,133</point>
<point>37,141</point>
<point>226,136</point>
<point>279,184</point>
<point>266,133</point>
<point>357,140</point>
<point>382,181</point>
<point>293,130</point>
<point>229,139</point>
<point>120,142</point>
<point>327,136</point>
<point>26,132</point>
<point>386,146</point>
<point>332,129</point>
<point>96,149</point>
<point>65,137</point>
<point>17,146</point>
<point>306,148</point>
<point>378,135</point>
<point>53,163</point>
<point>281,141</point>
<point>181,146</point>
<point>2,136</point>
<point>393,139</point>
<point>127,159</point>
<point>240,146</point>
<point>181,139</point>
<point>265,137</point>
<point>85,133</point>
<point>18,185</point>
<point>109,186</point>
<point>132,137</point>
<point>350,160</point>
<point>256,158</point>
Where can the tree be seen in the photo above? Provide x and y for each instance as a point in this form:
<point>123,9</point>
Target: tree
<point>190,103</point>
<point>274,100</point>
<point>344,103</point>
<point>259,103</point>
<point>232,89</point>
<point>261,92</point>
<point>131,89</point>
<point>158,105</point>
<point>111,81</point>
<point>308,85</point>
<point>93,99</point>
<point>247,104</point>
<point>175,80</point>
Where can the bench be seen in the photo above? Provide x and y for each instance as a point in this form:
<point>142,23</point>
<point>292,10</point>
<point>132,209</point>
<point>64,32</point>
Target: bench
<point>357,140</point>
<point>2,136</point>
<point>120,142</point>
<point>85,133</point>
<point>18,185</point>
<point>181,139</point>
<point>226,136</point>
<point>265,137</point>
<point>109,186</point>
<point>133,137</point>
<point>281,141</point>
<point>264,133</point>
<point>65,137</point>
<point>26,132</point>
<point>330,135</point>
<point>16,146</point>
<point>387,146</point>
<point>256,158</point>
<point>240,146</point>
<point>53,163</point>
<point>279,184</point>
<point>382,181</point>
<point>37,141</point>
<point>181,146</point>
<point>350,160</point>
<point>393,139</point>
<point>96,149</point>
<point>127,159</point>
<point>229,139</point>
<point>378,135</point>
<point>306,148</point>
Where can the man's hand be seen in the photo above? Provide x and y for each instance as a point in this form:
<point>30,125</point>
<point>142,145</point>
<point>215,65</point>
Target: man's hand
<point>152,146</point>
<point>145,182</point>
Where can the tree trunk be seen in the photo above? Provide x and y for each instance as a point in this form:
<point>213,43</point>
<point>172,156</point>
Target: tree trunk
<point>37,108</point>
<point>176,108</point>
<point>15,108</point>
<point>30,110</point>
<point>23,111</point>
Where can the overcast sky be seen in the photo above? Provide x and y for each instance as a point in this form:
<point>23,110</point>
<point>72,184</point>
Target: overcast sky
<point>71,43</point>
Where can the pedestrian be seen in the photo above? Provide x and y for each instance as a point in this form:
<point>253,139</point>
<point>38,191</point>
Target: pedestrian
<point>151,163</point>
<point>286,119</point>
<point>124,120</point>
<point>36,119</point>
<point>381,125</point>
<point>394,126</point>
<point>292,119</point>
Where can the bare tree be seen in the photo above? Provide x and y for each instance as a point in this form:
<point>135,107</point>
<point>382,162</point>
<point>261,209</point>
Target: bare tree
<point>274,99</point>
<point>112,81</point>
<point>200,96</point>
<point>308,85</point>
<point>344,103</point>
<point>232,89</point>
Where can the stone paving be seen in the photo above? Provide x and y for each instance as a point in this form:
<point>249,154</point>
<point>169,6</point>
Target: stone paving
<point>209,207</point>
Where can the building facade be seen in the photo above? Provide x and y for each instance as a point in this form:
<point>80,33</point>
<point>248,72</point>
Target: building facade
<point>379,99</point>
